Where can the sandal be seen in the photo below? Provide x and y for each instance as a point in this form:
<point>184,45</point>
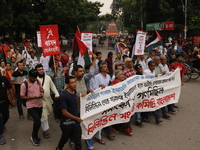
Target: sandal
<point>114,130</point>
<point>125,133</point>
<point>30,118</point>
<point>46,135</point>
<point>21,117</point>
<point>2,141</point>
<point>146,120</point>
<point>110,136</point>
<point>101,141</point>
<point>138,123</point>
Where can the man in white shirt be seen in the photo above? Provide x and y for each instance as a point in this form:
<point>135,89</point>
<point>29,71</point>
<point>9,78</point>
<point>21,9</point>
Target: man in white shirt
<point>102,80</point>
<point>151,56</point>
<point>32,60</point>
<point>140,60</point>
<point>151,72</point>
<point>163,63</point>
<point>44,60</point>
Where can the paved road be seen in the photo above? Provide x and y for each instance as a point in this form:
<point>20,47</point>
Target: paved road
<point>181,132</point>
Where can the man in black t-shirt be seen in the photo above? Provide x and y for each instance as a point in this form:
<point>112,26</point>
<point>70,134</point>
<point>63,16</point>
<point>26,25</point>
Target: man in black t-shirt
<point>70,121</point>
<point>4,105</point>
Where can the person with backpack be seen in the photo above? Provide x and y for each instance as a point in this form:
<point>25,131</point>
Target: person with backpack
<point>70,120</point>
<point>47,101</point>
<point>32,92</point>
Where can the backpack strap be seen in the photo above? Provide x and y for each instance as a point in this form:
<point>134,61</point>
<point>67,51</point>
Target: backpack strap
<point>26,85</point>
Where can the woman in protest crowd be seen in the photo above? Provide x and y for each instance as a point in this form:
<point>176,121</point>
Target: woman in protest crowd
<point>123,127</point>
<point>58,74</point>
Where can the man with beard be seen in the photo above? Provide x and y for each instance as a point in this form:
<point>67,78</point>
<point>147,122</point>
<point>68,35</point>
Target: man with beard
<point>47,101</point>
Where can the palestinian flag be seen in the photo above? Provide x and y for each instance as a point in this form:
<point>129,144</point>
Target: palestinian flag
<point>154,41</point>
<point>81,49</point>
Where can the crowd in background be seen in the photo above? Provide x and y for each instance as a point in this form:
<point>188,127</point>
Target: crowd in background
<point>60,78</point>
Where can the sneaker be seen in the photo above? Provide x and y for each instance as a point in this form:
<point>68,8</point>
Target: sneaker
<point>39,140</point>
<point>35,141</point>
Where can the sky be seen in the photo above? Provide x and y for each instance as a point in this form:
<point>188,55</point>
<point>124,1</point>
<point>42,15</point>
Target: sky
<point>106,8</point>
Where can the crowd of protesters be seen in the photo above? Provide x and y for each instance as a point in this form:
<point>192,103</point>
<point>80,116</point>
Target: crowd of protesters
<point>40,84</point>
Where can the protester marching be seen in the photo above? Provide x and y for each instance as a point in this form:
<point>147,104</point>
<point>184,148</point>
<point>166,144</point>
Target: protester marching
<point>87,95</point>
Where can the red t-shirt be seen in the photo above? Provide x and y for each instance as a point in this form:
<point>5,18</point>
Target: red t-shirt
<point>177,65</point>
<point>115,82</point>
<point>64,60</point>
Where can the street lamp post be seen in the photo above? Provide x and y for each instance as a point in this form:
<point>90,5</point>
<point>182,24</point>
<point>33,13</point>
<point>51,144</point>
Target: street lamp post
<point>185,28</point>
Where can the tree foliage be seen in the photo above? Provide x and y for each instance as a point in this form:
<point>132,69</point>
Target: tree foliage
<point>19,16</point>
<point>135,12</point>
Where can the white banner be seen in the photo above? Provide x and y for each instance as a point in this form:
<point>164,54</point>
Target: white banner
<point>117,103</point>
<point>39,40</point>
<point>138,48</point>
<point>87,39</point>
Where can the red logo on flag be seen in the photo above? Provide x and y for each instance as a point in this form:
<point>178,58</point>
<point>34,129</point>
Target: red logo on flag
<point>50,40</point>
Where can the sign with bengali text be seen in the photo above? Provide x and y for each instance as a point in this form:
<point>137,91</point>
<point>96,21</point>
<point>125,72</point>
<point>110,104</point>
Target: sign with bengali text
<point>50,40</point>
<point>116,104</point>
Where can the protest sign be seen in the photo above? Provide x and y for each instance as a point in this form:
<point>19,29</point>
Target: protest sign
<point>39,41</point>
<point>50,40</point>
<point>117,103</point>
<point>140,43</point>
<point>86,37</point>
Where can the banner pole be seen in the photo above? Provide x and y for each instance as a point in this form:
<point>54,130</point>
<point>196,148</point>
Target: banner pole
<point>54,64</point>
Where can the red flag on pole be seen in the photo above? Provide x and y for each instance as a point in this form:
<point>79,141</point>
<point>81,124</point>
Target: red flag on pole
<point>50,40</point>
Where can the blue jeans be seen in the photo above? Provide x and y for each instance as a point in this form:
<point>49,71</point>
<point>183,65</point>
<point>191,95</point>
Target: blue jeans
<point>88,142</point>
<point>156,115</point>
<point>137,116</point>
<point>4,116</point>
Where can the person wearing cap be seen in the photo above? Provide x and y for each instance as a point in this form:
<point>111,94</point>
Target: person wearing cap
<point>32,94</point>
<point>129,70</point>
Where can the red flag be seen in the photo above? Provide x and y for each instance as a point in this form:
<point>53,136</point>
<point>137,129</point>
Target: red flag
<point>77,36</point>
<point>5,48</point>
<point>50,40</point>
<point>82,47</point>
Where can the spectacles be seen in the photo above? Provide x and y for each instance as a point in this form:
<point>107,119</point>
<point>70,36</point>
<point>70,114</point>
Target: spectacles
<point>40,69</point>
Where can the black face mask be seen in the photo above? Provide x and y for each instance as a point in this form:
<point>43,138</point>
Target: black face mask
<point>41,75</point>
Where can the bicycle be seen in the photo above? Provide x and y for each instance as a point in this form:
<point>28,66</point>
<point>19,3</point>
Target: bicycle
<point>191,73</point>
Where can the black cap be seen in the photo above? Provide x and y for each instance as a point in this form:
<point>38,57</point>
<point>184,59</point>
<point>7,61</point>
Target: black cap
<point>33,73</point>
